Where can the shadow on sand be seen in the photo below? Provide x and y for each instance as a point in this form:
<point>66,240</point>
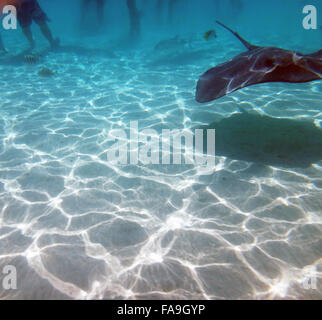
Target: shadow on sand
<point>271,141</point>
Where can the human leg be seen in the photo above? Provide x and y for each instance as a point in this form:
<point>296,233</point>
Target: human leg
<point>27,32</point>
<point>134,18</point>
<point>100,11</point>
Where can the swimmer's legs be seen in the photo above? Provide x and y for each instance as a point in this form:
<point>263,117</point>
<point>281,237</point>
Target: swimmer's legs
<point>48,35</point>
<point>46,32</point>
<point>134,18</point>
<point>27,32</point>
<point>100,11</point>
<point>84,9</point>
<point>171,10</point>
<point>2,48</point>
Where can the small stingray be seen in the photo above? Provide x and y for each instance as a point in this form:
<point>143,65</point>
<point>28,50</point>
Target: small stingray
<point>258,65</point>
<point>45,72</point>
<point>170,44</point>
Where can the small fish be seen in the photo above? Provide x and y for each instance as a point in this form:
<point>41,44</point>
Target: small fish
<point>209,34</point>
<point>31,59</point>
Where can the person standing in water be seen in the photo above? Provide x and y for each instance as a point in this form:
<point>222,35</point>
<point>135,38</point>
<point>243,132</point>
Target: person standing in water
<point>100,4</point>
<point>236,7</point>
<point>171,10</point>
<point>29,11</point>
<point>135,24</point>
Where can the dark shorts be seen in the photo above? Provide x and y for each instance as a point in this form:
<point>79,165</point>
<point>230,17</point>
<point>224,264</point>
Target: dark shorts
<point>30,11</point>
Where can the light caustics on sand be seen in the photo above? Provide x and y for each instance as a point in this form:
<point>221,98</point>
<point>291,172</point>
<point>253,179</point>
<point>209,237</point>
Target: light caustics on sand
<point>76,226</point>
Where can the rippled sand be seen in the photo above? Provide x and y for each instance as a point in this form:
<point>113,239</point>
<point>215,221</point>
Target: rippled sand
<point>76,226</point>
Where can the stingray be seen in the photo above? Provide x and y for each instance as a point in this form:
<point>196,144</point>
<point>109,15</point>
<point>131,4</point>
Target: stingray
<point>258,65</point>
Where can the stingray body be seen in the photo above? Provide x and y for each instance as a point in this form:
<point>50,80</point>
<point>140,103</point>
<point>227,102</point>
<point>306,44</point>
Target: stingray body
<point>258,65</point>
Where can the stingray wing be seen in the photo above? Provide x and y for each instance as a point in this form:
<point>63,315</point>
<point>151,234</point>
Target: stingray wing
<point>314,63</point>
<point>317,55</point>
<point>242,71</point>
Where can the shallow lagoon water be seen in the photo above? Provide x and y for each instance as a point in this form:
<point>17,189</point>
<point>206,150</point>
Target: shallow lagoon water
<point>78,227</point>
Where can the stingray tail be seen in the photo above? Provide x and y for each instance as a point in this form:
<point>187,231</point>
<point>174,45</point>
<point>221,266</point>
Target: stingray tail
<point>245,43</point>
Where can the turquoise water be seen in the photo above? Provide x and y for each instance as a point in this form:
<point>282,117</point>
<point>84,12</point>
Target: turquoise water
<point>76,226</point>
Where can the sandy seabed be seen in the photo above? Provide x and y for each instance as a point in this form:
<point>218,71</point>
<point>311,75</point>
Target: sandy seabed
<point>76,226</point>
